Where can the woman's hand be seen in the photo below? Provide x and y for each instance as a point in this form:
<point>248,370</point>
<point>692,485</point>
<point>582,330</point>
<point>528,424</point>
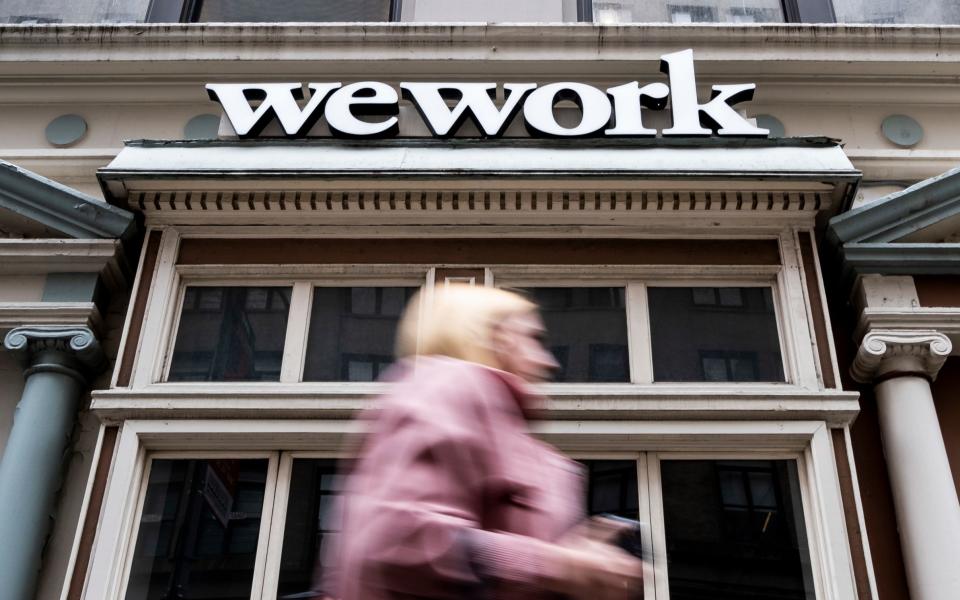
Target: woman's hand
<point>585,565</point>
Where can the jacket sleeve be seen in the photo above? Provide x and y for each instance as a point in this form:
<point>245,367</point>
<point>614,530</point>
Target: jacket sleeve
<point>420,503</point>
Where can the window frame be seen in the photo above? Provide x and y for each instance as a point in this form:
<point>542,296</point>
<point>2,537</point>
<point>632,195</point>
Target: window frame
<point>266,512</point>
<point>187,11</point>
<point>807,442</point>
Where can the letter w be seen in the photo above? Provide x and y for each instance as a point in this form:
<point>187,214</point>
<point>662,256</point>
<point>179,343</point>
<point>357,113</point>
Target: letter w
<point>475,102</point>
<point>276,99</point>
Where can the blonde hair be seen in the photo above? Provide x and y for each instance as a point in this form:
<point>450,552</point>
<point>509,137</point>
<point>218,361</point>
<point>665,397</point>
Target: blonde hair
<point>457,320</point>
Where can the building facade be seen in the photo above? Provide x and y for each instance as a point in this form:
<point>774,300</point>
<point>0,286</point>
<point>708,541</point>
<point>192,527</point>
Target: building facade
<point>731,213</point>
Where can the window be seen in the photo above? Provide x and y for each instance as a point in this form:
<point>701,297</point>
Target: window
<point>352,331</point>
<point>735,528</point>
<point>943,12</point>
<point>714,334</point>
<point>278,11</point>
<point>199,530</point>
<point>710,11</point>
<point>209,528</point>
<point>586,331</point>
<point>230,334</point>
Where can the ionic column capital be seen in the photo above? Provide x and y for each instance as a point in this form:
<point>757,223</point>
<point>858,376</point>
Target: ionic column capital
<point>71,350</point>
<point>885,352</point>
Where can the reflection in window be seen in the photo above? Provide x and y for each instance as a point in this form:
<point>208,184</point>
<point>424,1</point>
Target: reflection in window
<point>198,530</point>
<point>587,331</point>
<point>932,12</point>
<point>687,11</point>
<point>735,529</point>
<point>290,11</point>
<point>231,334</point>
<point>312,522</point>
<point>714,334</point>
<point>612,488</point>
<point>352,332</point>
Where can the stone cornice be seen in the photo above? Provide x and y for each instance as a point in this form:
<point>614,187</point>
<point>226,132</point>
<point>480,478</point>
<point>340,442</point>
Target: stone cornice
<point>882,352</point>
<point>34,346</point>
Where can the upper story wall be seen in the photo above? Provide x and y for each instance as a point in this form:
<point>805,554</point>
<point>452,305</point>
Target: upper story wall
<point>146,81</point>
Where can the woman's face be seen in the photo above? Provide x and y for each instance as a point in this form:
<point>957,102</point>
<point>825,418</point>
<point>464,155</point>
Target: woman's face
<point>518,346</point>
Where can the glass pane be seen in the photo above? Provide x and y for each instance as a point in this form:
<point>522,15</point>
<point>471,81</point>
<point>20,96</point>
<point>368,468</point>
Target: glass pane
<point>714,334</point>
<point>312,520</point>
<point>687,11</point>
<point>932,12</point>
<point>735,529</point>
<point>352,332</point>
<point>198,531</point>
<point>231,334</point>
<point>586,331</point>
<point>293,11</point>
<point>612,488</point>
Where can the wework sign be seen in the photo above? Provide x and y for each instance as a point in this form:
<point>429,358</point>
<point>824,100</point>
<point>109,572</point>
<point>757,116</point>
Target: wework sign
<point>371,109</point>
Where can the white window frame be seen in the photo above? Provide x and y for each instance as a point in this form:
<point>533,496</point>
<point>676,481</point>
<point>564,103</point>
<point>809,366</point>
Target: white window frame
<point>809,441</point>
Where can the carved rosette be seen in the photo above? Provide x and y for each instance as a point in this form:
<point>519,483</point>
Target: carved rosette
<point>78,345</point>
<point>904,351</point>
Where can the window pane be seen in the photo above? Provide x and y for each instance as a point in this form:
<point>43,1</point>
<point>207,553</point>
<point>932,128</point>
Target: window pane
<point>292,10</point>
<point>687,11</point>
<point>735,529</point>
<point>352,332</point>
<point>231,334</point>
<point>612,488</point>
<point>586,331</point>
<point>932,12</point>
<point>198,531</point>
<point>312,520</point>
<point>714,334</point>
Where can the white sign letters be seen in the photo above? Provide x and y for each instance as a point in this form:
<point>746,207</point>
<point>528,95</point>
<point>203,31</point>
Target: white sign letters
<point>370,109</point>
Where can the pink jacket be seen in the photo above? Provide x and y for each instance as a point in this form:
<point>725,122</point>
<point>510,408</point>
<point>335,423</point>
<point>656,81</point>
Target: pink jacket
<point>450,489</point>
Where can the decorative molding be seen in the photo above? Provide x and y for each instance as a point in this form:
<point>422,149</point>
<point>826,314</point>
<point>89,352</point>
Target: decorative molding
<point>21,314</point>
<point>567,402</point>
<point>479,201</point>
<point>42,256</point>
<point>886,351</point>
<point>78,342</point>
<point>941,320</point>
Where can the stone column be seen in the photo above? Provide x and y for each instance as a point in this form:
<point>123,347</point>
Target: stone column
<point>58,360</point>
<point>901,365</point>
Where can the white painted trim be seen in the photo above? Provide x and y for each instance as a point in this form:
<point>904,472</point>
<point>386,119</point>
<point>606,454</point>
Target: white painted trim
<point>298,327</point>
<point>639,344</point>
<point>148,362</point>
<point>17,314</point>
<point>861,519</point>
<point>343,400</point>
<point>826,498</point>
<point>131,302</point>
<point>827,324</point>
<point>798,341</point>
<point>82,515</point>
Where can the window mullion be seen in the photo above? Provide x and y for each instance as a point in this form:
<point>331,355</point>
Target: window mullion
<point>278,520</point>
<point>295,343</point>
<point>661,590</point>
<point>646,516</point>
<point>266,525</point>
<point>638,334</point>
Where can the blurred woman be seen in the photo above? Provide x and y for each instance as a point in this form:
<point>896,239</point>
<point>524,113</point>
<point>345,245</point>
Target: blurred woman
<point>451,497</point>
